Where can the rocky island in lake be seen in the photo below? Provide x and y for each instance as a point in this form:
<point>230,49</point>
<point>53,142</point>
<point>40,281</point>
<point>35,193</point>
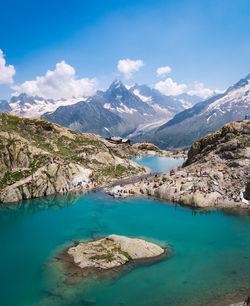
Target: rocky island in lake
<point>112,251</point>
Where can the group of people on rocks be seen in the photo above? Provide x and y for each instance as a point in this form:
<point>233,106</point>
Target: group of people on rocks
<point>201,189</point>
<point>204,173</point>
<point>130,191</point>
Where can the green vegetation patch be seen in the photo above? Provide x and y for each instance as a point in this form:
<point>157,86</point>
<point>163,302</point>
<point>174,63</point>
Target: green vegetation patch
<point>12,177</point>
<point>126,254</point>
<point>117,171</point>
<point>245,142</point>
<point>107,257</point>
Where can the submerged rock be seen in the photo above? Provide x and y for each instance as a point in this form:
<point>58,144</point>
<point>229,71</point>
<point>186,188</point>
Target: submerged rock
<point>113,251</point>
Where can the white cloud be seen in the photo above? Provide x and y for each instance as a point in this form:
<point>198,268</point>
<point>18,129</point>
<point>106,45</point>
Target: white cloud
<point>170,88</point>
<point>219,91</point>
<point>128,67</point>
<point>200,91</point>
<point>6,72</point>
<point>59,83</point>
<point>162,71</point>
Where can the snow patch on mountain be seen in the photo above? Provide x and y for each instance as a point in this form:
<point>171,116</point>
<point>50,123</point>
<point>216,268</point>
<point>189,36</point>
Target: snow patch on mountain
<point>143,98</point>
<point>234,96</point>
<point>108,106</point>
<point>144,128</point>
<point>34,107</point>
<point>125,109</point>
<point>163,110</point>
<point>186,104</point>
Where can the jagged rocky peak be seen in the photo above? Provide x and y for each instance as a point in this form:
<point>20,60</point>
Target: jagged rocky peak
<point>117,86</point>
<point>23,98</point>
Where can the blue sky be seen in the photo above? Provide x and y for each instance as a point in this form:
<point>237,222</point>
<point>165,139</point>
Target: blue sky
<point>204,41</point>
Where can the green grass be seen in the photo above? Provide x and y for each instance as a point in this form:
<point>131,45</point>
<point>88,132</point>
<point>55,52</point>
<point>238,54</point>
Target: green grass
<point>117,171</point>
<point>245,141</point>
<point>107,257</point>
<point>126,254</point>
<point>10,178</point>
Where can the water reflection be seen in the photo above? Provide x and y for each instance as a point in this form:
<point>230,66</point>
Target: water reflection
<point>11,213</point>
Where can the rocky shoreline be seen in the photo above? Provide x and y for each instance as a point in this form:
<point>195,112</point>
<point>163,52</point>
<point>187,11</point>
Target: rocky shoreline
<point>39,158</point>
<point>239,297</point>
<point>216,173</point>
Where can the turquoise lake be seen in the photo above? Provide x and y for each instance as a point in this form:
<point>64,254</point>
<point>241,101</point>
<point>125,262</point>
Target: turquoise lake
<point>211,250</point>
<point>158,163</point>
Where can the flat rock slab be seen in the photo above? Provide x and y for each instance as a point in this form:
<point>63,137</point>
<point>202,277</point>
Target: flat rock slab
<point>113,251</point>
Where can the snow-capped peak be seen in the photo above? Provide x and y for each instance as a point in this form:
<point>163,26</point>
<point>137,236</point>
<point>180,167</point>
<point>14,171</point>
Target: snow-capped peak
<point>34,107</point>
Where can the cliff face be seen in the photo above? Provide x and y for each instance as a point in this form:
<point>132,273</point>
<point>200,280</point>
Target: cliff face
<point>229,144</point>
<point>39,158</point>
<point>216,172</point>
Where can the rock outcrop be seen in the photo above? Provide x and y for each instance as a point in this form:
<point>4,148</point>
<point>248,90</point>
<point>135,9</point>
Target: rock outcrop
<point>246,302</point>
<point>112,251</point>
<point>39,158</point>
<point>216,172</point>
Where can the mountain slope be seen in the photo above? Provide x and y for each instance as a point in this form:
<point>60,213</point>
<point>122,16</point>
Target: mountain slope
<point>173,104</point>
<point>89,116</point>
<point>116,111</point>
<point>119,110</point>
<point>39,158</point>
<point>203,118</point>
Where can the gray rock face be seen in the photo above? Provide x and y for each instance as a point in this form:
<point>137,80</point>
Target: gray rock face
<point>113,251</point>
<point>229,142</point>
<point>51,179</point>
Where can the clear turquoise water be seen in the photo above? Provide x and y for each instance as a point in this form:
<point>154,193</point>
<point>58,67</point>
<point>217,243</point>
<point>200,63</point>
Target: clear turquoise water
<point>211,251</point>
<point>158,163</point>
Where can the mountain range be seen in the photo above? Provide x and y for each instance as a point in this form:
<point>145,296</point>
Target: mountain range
<point>120,110</point>
<point>140,112</point>
<point>203,118</point>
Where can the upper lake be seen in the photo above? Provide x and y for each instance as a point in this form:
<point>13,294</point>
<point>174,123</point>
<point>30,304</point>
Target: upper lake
<point>211,249</point>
